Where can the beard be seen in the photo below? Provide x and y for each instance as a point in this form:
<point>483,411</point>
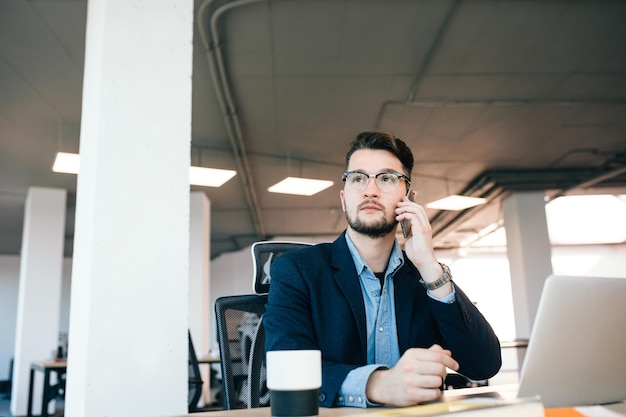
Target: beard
<point>376,230</point>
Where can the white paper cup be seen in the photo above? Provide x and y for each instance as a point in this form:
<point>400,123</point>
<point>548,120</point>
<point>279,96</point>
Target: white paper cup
<point>294,378</point>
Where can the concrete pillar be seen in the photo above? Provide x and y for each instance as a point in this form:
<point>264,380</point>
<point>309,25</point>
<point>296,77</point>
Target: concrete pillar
<point>529,252</point>
<point>39,296</point>
<point>200,323</point>
<point>129,301</point>
<point>199,254</point>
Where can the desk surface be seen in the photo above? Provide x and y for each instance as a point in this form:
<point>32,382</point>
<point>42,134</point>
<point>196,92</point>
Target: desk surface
<point>503,391</point>
<point>49,364</point>
<point>209,359</point>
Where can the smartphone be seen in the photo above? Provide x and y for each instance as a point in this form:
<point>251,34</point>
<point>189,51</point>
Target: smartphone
<point>406,224</point>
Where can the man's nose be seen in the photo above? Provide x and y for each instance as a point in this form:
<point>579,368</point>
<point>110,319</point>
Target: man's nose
<point>372,188</point>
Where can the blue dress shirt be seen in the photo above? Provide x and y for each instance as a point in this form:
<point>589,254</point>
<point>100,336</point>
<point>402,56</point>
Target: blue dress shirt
<point>382,339</point>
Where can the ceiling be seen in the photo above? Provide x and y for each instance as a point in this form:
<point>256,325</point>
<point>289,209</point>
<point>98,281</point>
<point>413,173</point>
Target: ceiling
<point>492,96</point>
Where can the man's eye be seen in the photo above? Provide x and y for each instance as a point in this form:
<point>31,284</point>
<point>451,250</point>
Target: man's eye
<point>386,178</point>
<point>358,178</point>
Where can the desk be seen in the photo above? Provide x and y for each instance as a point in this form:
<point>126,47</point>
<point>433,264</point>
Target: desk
<point>212,386</point>
<point>208,359</point>
<point>50,392</point>
<point>503,391</point>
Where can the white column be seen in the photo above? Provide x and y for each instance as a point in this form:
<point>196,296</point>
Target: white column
<point>200,323</point>
<point>129,301</point>
<point>529,252</point>
<point>39,296</point>
<point>199,255</point>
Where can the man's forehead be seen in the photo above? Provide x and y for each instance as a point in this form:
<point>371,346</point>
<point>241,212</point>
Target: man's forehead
<point>374,160</point>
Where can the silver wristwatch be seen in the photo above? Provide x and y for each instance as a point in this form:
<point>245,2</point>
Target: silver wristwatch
<point>441,281</point>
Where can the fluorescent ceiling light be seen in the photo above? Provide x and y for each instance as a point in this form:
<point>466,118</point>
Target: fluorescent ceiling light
<point>300,186</point>
<point>456,202</point>
<point>67,163</point>
<point>209,177</point>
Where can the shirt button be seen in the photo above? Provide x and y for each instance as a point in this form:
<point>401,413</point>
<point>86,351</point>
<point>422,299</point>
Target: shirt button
<point>351,398</point>
<point>381,329</point>
<point>360,400</point>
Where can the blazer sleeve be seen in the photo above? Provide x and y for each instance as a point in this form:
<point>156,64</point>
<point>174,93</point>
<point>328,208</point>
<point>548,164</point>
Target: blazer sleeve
<point>299,316</point>
<point>468,335</point>
<point>458,326</point>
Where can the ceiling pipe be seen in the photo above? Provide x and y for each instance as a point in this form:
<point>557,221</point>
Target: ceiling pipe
<point>497,185</point>
<point>593,180</point>
<point>509,103</point>
<point>439,104</point>
<point>212,46</point>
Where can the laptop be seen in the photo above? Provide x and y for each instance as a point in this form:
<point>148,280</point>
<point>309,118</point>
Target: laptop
<point>577,348</point>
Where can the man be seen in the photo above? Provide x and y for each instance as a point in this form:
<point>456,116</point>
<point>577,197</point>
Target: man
<point>388,322</point>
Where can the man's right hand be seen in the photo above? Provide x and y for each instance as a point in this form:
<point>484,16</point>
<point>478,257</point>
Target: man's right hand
<point>416,378</point>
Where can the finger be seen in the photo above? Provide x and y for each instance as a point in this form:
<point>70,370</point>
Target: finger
<point>445,358</point>
<point>422,395</point>
<point>431,381</point>
<point>431,370</point>
<point>450,363</point>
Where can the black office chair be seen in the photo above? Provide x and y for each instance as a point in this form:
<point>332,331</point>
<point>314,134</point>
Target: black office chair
<point>195,383</point>
<point>241,335</point>
<point>241,340</point>
<point>195,379</point>
<point>263,255</point>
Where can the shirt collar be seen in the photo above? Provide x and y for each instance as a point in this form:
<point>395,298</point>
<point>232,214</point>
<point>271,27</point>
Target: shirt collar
<point>396,259</point>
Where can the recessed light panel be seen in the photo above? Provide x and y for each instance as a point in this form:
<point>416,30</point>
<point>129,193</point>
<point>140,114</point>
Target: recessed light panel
<point>300,186</point>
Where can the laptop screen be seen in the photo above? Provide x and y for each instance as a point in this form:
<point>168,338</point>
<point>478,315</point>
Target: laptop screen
<point>577,348</point>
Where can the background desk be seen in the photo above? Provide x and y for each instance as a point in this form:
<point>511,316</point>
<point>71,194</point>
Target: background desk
<point>209,359</point>
<point>50,392</point>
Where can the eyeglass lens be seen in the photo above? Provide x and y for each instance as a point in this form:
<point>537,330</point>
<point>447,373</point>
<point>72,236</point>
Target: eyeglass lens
<point>385,181</point>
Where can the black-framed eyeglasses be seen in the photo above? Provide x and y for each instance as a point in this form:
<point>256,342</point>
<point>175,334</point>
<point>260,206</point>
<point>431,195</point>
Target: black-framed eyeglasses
<point>385,181</point>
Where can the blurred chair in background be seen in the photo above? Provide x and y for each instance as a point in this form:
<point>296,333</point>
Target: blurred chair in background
<point>241,335</point>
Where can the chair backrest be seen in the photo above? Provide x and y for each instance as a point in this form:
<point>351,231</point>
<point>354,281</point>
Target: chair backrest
<point>263,254</point>
<point>241,340</point>
<point>195,378</point>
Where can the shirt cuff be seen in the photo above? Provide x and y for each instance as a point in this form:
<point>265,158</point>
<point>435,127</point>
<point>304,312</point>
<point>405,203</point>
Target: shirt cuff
<point>448,299</point>
<point>352,390</point>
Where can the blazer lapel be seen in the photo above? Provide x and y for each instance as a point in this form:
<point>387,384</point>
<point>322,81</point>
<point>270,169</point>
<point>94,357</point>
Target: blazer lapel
<point>345,275</point>
<point>405,284</point>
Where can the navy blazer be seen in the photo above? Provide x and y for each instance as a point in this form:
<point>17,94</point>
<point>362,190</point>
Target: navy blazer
<point>315,302</point>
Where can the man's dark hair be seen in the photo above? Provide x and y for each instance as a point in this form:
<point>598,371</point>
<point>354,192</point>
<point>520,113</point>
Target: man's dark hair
<point>386,142</point>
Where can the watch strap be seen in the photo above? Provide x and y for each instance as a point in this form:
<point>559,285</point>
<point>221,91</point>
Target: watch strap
<point>440,282</point>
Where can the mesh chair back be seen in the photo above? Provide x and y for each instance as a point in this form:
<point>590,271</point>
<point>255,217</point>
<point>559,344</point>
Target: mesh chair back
<point>263,254</point>
<point>195,378</point>
<point>241,340</point>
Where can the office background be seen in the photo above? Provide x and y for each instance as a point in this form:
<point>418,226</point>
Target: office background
<point>496,97</point>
